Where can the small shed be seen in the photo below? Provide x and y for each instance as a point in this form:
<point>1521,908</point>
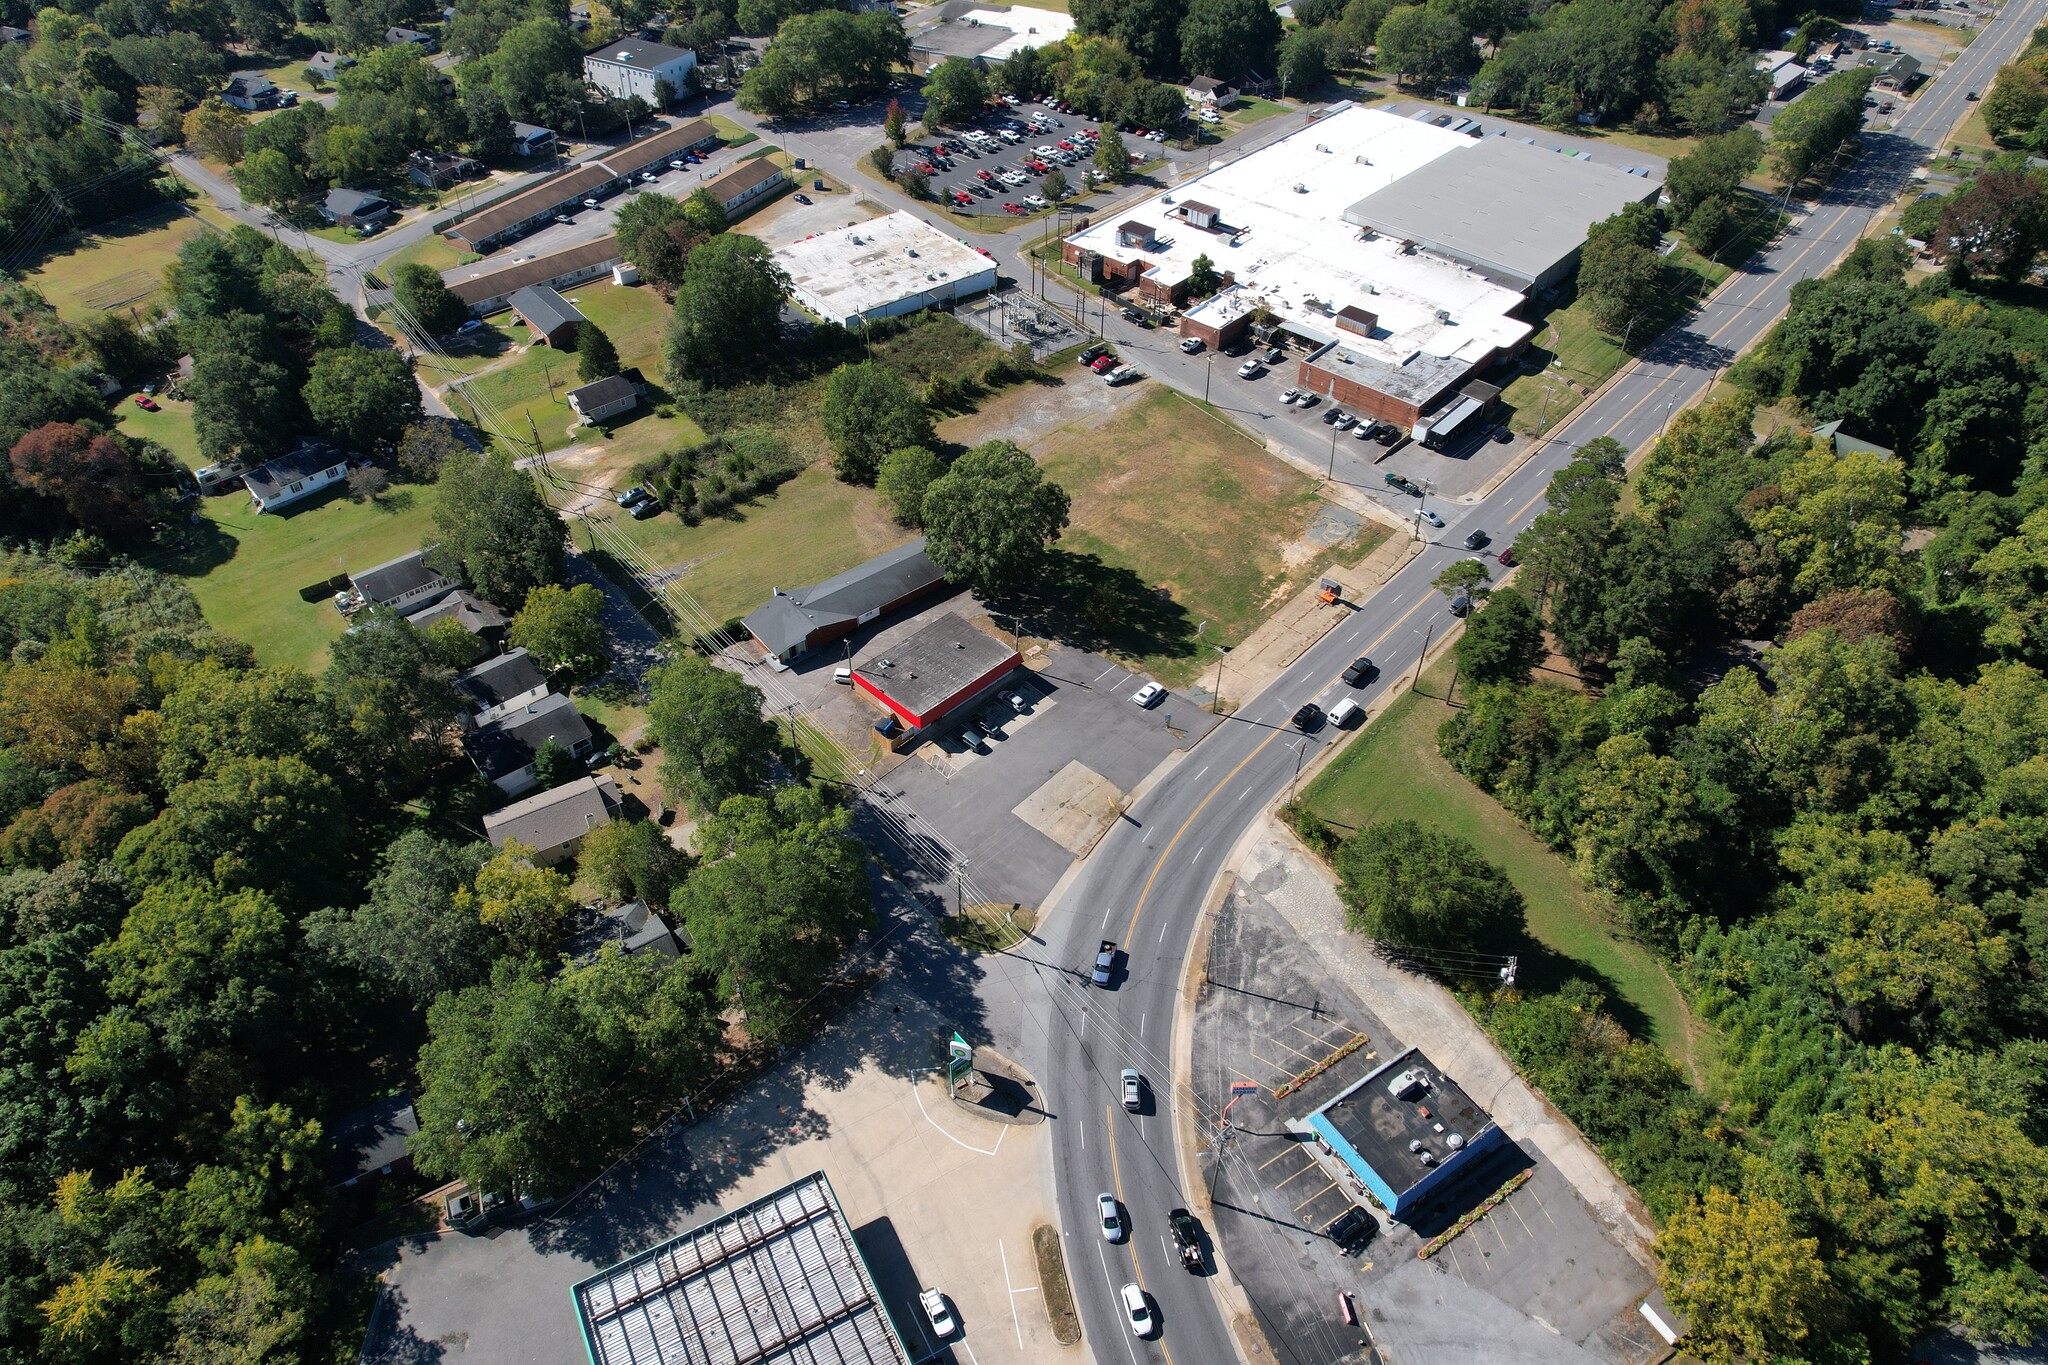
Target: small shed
<point>1199,215</point>
<point>1133,233</point>
<point>552,319</point>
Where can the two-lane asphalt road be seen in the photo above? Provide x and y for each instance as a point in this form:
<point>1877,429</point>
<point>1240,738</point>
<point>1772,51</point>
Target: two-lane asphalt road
<point>1145,884</point>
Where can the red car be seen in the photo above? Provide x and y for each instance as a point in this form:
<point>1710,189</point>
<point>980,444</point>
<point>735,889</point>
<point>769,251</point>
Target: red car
<point>1067,146</point>
<point>984,175</point>
<point>1507,557</point>
<point>1104,364</point>
<point>1013,208</point>
<point>963,199</point>
<point>145,402</point>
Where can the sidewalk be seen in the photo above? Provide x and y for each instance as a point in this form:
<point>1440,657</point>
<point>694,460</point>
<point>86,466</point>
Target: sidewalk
<point>1303,620</point>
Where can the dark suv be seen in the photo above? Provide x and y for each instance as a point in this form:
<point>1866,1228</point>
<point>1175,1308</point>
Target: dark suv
<point>1360,672</point>
<point>1476,539</point>
<point>1308,718</point>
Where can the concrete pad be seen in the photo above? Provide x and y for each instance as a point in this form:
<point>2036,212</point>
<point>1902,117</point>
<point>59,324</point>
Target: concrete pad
<point>1074,809</point>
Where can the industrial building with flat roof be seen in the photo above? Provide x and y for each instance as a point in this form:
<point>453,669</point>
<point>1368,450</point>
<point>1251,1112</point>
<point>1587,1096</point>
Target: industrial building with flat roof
<point>1394,252</point>
<point>882,268</point>
<point>1403,1132</point>
<point>945,667</point>
<point>983,33</point>
<point>1511,210</point>
<point>780,1281</point>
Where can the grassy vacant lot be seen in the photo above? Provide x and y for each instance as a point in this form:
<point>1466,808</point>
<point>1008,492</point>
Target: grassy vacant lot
<point>1392,771</point>
<point>246,569</point>
<point>1187,521</point>
<point>117,265</point>
<point>807,530</point>
<point>1249,110</point>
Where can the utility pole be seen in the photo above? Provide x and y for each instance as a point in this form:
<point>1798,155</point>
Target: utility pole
<point>1423,655</point>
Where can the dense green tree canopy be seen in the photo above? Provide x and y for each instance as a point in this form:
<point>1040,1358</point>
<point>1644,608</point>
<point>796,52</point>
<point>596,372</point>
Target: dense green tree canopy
<point>868,411</point>
<point>715,742</point>
<point>496,530</point>
<point>728,309</point>
<point>1427,892</point>
<point>990,519</point>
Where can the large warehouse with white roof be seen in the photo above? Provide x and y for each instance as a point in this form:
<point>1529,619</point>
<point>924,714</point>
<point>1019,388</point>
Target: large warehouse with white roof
<point>882,268</point>
<point>1394,253</point>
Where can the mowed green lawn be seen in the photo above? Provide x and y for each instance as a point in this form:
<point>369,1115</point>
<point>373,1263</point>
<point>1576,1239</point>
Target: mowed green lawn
<point>1392,771</point>
<point>118,265</point>
<point>535,385</point>
<point>246,568</point>
<point>170,426</point>
<point>1190,505</point>
<point>810,528</point>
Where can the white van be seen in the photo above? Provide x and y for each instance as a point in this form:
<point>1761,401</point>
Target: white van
<point>843,676</point>
<point>1342,714</point>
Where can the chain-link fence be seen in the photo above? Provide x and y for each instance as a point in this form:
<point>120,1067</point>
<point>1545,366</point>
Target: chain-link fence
<point>1009,316</point>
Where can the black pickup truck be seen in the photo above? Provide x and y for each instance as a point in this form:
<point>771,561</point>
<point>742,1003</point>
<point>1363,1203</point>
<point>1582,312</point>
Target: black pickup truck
<point>1187,1235</point>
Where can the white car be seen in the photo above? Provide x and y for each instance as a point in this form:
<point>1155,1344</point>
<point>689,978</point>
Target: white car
<point>1036,201</point>
<point>1251,369</point>
<point>1046,149</point>
<point>1133,1089</point>
<point>1112,1217</point>
<point>1432,518</point>
<point>1136,1310</point>
<point>1148,694</point>
<point>937,1314</point>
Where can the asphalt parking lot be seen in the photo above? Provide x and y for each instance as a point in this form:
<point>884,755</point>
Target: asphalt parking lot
<point>978,171</point>
<point>1536,1279</point>
<point>1460,469</point>
<point>998,809</point>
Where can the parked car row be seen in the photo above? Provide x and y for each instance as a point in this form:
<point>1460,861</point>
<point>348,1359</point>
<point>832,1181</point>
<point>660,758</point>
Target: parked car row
<point>976,188</point>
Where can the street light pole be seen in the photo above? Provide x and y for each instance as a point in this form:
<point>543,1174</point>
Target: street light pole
<point>1216,695</point>
<point>1668,409</point>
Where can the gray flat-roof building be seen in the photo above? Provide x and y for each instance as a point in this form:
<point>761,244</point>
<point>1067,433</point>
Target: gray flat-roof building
<point>779,1281</point>
<point>1515,212</point>
<point>941,669</point>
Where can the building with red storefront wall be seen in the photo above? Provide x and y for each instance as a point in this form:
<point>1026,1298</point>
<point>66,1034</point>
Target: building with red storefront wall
<point>945,667</point>
<point>1388,259</point>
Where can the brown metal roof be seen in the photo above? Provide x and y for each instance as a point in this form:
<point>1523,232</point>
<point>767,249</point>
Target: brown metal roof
<point>539,270</point>
<point>742,178</point>
<point>536,201</point>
